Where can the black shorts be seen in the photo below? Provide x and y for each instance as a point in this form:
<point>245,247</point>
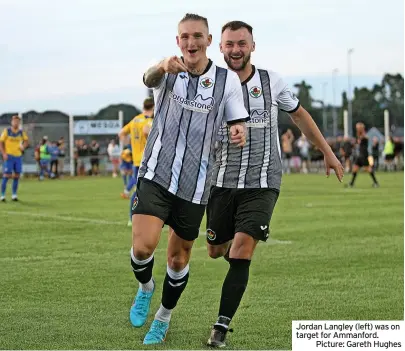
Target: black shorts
<point>389,157</point>
<point>94,161</point>
<point>230,211</point>
<point>184,217</point>
<point>361,161</point>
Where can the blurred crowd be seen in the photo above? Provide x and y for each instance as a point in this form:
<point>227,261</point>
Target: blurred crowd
<point>300,156</point>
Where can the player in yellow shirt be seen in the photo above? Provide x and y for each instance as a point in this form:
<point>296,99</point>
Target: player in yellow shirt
<point>13,141</point>
<point>138,129</point>
<point>126,164</point>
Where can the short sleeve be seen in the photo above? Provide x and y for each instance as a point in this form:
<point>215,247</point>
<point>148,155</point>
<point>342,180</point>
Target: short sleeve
<point>286,99</point>
<point>235,110</point>
<point>25,137</point>
<point>3,136</point>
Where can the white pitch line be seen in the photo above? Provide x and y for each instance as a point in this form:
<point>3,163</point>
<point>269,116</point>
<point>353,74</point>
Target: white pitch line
<point>63,218</point>
<point>102,221</point>
<point>276,242</point>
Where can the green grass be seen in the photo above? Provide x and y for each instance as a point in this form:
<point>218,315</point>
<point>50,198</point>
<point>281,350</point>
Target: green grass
<point>66,280</point>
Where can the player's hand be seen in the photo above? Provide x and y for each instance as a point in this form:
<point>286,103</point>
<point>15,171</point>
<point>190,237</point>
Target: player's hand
<point>22,148</point>
<point>173,64</point>
<point>237,134</point>
<point>331,162</point>
<point>5,157</point>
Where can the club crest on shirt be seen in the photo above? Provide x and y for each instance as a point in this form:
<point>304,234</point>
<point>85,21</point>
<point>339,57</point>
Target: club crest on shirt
<point>206,83</point>
<point>255,92</point>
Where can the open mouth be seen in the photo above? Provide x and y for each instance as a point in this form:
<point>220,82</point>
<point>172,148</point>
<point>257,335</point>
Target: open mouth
<point>192,52</point>
<point>236,57</point>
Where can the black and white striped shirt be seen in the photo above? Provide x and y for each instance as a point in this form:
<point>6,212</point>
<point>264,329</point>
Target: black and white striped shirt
<point>258,163</point>
<point>189,110</point>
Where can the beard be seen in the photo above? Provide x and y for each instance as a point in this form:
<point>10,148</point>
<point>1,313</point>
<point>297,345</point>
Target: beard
<point>239,67</point>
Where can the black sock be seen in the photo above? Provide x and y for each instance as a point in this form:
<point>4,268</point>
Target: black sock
<point>232,291</point>
<point>142,268</point>
<point>173,286</point>
<point>374,178</point>
<point>354,175</point>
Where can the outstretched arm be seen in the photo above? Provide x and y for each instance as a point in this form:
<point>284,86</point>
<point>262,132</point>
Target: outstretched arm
<point>307,126</point>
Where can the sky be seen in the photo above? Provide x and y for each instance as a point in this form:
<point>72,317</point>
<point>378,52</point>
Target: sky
<point>79,56</point>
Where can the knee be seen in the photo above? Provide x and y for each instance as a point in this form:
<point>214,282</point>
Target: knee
<point>216,251</point>
<point>16,176</point>
<point>178,261</point>
<point>142,251</point>
<point>243,247</point>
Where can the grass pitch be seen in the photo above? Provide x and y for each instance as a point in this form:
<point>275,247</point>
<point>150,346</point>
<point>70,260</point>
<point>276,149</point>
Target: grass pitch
<point>66,280</point>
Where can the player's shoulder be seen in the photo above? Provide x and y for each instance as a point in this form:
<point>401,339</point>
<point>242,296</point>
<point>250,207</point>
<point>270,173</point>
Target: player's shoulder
<point>138,118</point>
<point>221,70</point>
<point>274,76</point>
<point>5,132</point>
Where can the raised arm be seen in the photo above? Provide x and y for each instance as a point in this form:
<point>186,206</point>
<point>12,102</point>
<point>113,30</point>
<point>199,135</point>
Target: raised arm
<point>154,75</point>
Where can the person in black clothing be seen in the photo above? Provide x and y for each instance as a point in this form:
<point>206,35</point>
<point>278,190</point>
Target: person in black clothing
<point>62,154</point>
<point>375,152</point>
<point>398,150</point>
<point>94,151</point>
<point>82,153</point>
<point>346,153</point>
<point>361,158</point>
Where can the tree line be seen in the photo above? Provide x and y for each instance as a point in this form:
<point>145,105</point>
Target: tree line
<point>368,106</point>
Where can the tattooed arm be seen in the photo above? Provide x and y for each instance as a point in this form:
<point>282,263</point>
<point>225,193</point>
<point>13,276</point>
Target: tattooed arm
<point>154,75</point>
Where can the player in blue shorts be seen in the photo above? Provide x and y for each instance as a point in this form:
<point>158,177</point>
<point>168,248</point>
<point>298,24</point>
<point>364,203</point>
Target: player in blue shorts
<point>13,141</point>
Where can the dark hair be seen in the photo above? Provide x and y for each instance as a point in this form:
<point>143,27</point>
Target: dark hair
<point>194,17</point>
<point>235,25</point>
<point>148,103</point>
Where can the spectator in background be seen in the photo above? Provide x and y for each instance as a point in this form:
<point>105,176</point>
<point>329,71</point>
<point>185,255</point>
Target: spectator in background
<point>398,151</point>
<point>44,159</point>
<point>94,151</point>
<point>303,147</point>
<point>62,155</point>
<point>37,157</point>
<point>337,148</point>
<point>287,140</point>
<point>54,152</point>
<point>114,153</point>
<point>76,156</point>
<point>82,153</point>
<point>375,153</point>
<point>389,152</point>
<point>347,151</point>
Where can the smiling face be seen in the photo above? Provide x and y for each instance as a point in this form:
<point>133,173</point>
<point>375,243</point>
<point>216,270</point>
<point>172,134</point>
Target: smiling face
<point>193,40</point>
<point>237,46</point>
